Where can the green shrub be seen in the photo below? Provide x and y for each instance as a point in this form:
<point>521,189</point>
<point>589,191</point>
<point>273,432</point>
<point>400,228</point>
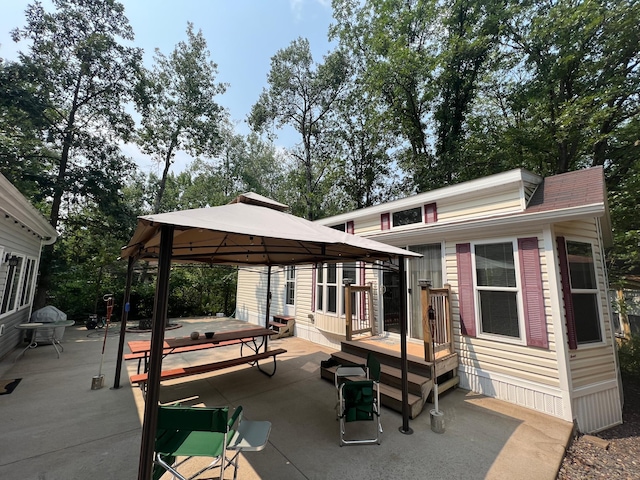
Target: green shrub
<point>629,356</point>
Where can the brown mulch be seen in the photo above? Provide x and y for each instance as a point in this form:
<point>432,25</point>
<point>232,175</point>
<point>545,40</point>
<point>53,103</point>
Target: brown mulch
<point>613,453</point>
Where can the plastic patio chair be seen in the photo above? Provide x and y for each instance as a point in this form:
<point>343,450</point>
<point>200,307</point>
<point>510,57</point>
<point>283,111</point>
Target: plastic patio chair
<point>193,432</point>
<point>359,400</point>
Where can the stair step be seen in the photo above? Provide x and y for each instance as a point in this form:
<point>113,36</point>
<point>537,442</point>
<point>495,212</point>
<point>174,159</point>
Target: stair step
<point>390,397</point>
<point>418,384</point>
<point>416,365</point>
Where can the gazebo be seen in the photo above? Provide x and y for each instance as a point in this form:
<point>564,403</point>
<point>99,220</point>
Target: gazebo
<point>251,230</point>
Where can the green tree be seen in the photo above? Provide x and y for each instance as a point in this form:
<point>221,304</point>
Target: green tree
<point>86,73</point>
<point>581,79</point>
<point>366,177</point>
<point>304,95</point>
<point>472,32</point>
<point>23,150</point>
<point>394,45</point>
<point>178,106</point>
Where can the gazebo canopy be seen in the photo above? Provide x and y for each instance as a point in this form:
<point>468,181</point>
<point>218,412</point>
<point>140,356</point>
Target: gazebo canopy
<point>252,230</point>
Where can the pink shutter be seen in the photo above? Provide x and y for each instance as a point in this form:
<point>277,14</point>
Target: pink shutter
<point>566,293</point>
<point>363,299</point>
<point>314,281</point>
<point>385,223</point>
<point>430,213</point>
<point>350,228</point>
<point>465,290</point>
<point>532,296</point>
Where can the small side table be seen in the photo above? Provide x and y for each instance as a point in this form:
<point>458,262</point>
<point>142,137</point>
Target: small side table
<point>49,327</point>
<point>251,436</point>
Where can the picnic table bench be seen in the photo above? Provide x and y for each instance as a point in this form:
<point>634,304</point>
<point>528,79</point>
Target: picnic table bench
<point>179,372</point>
<point>140,350</point>
<point>140,356</point>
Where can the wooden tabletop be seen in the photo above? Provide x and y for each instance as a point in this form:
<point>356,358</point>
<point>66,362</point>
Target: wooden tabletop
<point>141,346</point>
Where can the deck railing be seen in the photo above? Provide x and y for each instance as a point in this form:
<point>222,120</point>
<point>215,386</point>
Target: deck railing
<point>437,325</point>
<point>358,310</point>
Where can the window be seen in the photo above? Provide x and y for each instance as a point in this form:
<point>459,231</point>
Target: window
<point>349,271</point>
<point>497,289</point>
<point>12,284</point>
<point>329,291</point>
<point>290,281</point>
<point>332,288</point>
<point>407,217</point>
<point>344,227</point>
<point>584,292</point>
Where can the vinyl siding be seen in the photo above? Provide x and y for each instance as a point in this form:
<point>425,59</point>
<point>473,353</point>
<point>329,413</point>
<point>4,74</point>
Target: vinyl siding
<point>14,239</point>
<point>479,206</point>
<point>520,362</point>
<point>251,294</point>
<point>592,364</point>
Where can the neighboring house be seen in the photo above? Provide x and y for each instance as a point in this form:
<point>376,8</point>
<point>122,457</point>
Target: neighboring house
<point>523,256</point>
<point>23,232</point>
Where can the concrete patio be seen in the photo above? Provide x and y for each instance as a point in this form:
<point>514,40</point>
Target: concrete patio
<point>54,427</point>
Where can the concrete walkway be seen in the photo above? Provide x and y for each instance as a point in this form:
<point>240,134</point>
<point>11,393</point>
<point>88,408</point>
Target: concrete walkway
<point>54,427</point>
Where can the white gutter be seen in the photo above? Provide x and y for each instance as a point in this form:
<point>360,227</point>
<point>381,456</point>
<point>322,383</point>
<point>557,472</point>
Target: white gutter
<point>546,217</point>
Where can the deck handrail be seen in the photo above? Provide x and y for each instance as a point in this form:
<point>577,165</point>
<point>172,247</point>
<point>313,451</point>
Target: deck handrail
<point>437,324</point>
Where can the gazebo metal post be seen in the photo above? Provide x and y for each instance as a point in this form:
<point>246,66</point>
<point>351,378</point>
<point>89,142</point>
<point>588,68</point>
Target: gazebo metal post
<point>404,364</point>
<point>123,322</point>
<point>266,320</point>
<point>160,312</point>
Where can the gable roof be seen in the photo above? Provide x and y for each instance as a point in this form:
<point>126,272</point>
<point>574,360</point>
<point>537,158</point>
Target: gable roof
<point>569,190</point>
<point>16,206</point>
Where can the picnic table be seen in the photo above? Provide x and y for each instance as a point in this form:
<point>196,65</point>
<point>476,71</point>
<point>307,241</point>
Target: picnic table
<point>255,339</point>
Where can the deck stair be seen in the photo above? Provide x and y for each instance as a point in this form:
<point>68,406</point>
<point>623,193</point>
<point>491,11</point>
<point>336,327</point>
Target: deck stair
<point>420,384</point>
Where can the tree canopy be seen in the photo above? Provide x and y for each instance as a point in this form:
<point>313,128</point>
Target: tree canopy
<point>415,95</point>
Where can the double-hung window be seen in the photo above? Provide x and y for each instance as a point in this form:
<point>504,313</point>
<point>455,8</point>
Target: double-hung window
<point>327,288</point>
<point>584,292</point>
<point>290,285</point>
<point>12,284</point>
<point>329,297</point>
<point>497,289</point>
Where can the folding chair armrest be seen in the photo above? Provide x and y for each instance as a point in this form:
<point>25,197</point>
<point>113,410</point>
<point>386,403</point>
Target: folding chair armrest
<point>236,417</point>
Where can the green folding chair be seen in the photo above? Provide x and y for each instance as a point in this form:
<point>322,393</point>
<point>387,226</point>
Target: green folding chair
<point>359,400</point>
<point>193,432</point>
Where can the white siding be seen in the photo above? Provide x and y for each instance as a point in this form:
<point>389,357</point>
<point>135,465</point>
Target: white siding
<point>17,240</point>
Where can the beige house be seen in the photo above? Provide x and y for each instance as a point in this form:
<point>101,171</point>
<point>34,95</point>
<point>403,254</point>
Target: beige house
<point>523,258</point>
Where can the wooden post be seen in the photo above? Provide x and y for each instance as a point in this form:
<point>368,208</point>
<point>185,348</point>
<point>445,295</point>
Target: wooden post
<point>347,308</point>
<point>425,302</point>
<point>447,316</point>
<point>372,317</point>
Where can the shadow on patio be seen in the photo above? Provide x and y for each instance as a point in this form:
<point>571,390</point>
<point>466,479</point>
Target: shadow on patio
<point>55,427</point>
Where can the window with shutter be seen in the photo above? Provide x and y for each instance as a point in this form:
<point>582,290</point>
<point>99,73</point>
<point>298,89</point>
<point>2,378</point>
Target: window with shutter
<point>566,293</point>
<point>533,296</point>
<point>430,213</point>
<point>579,276</point>
<point>465,290</point>
<point>385,222</point>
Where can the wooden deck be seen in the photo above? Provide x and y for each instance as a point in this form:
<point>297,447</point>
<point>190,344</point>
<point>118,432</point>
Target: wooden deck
<point>388,354</point>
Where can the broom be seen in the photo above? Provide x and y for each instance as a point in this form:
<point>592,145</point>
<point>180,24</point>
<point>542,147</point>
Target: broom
<point>98,381</point>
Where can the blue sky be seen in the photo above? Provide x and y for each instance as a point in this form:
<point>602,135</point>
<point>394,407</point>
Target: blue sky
<point>242,36</point>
